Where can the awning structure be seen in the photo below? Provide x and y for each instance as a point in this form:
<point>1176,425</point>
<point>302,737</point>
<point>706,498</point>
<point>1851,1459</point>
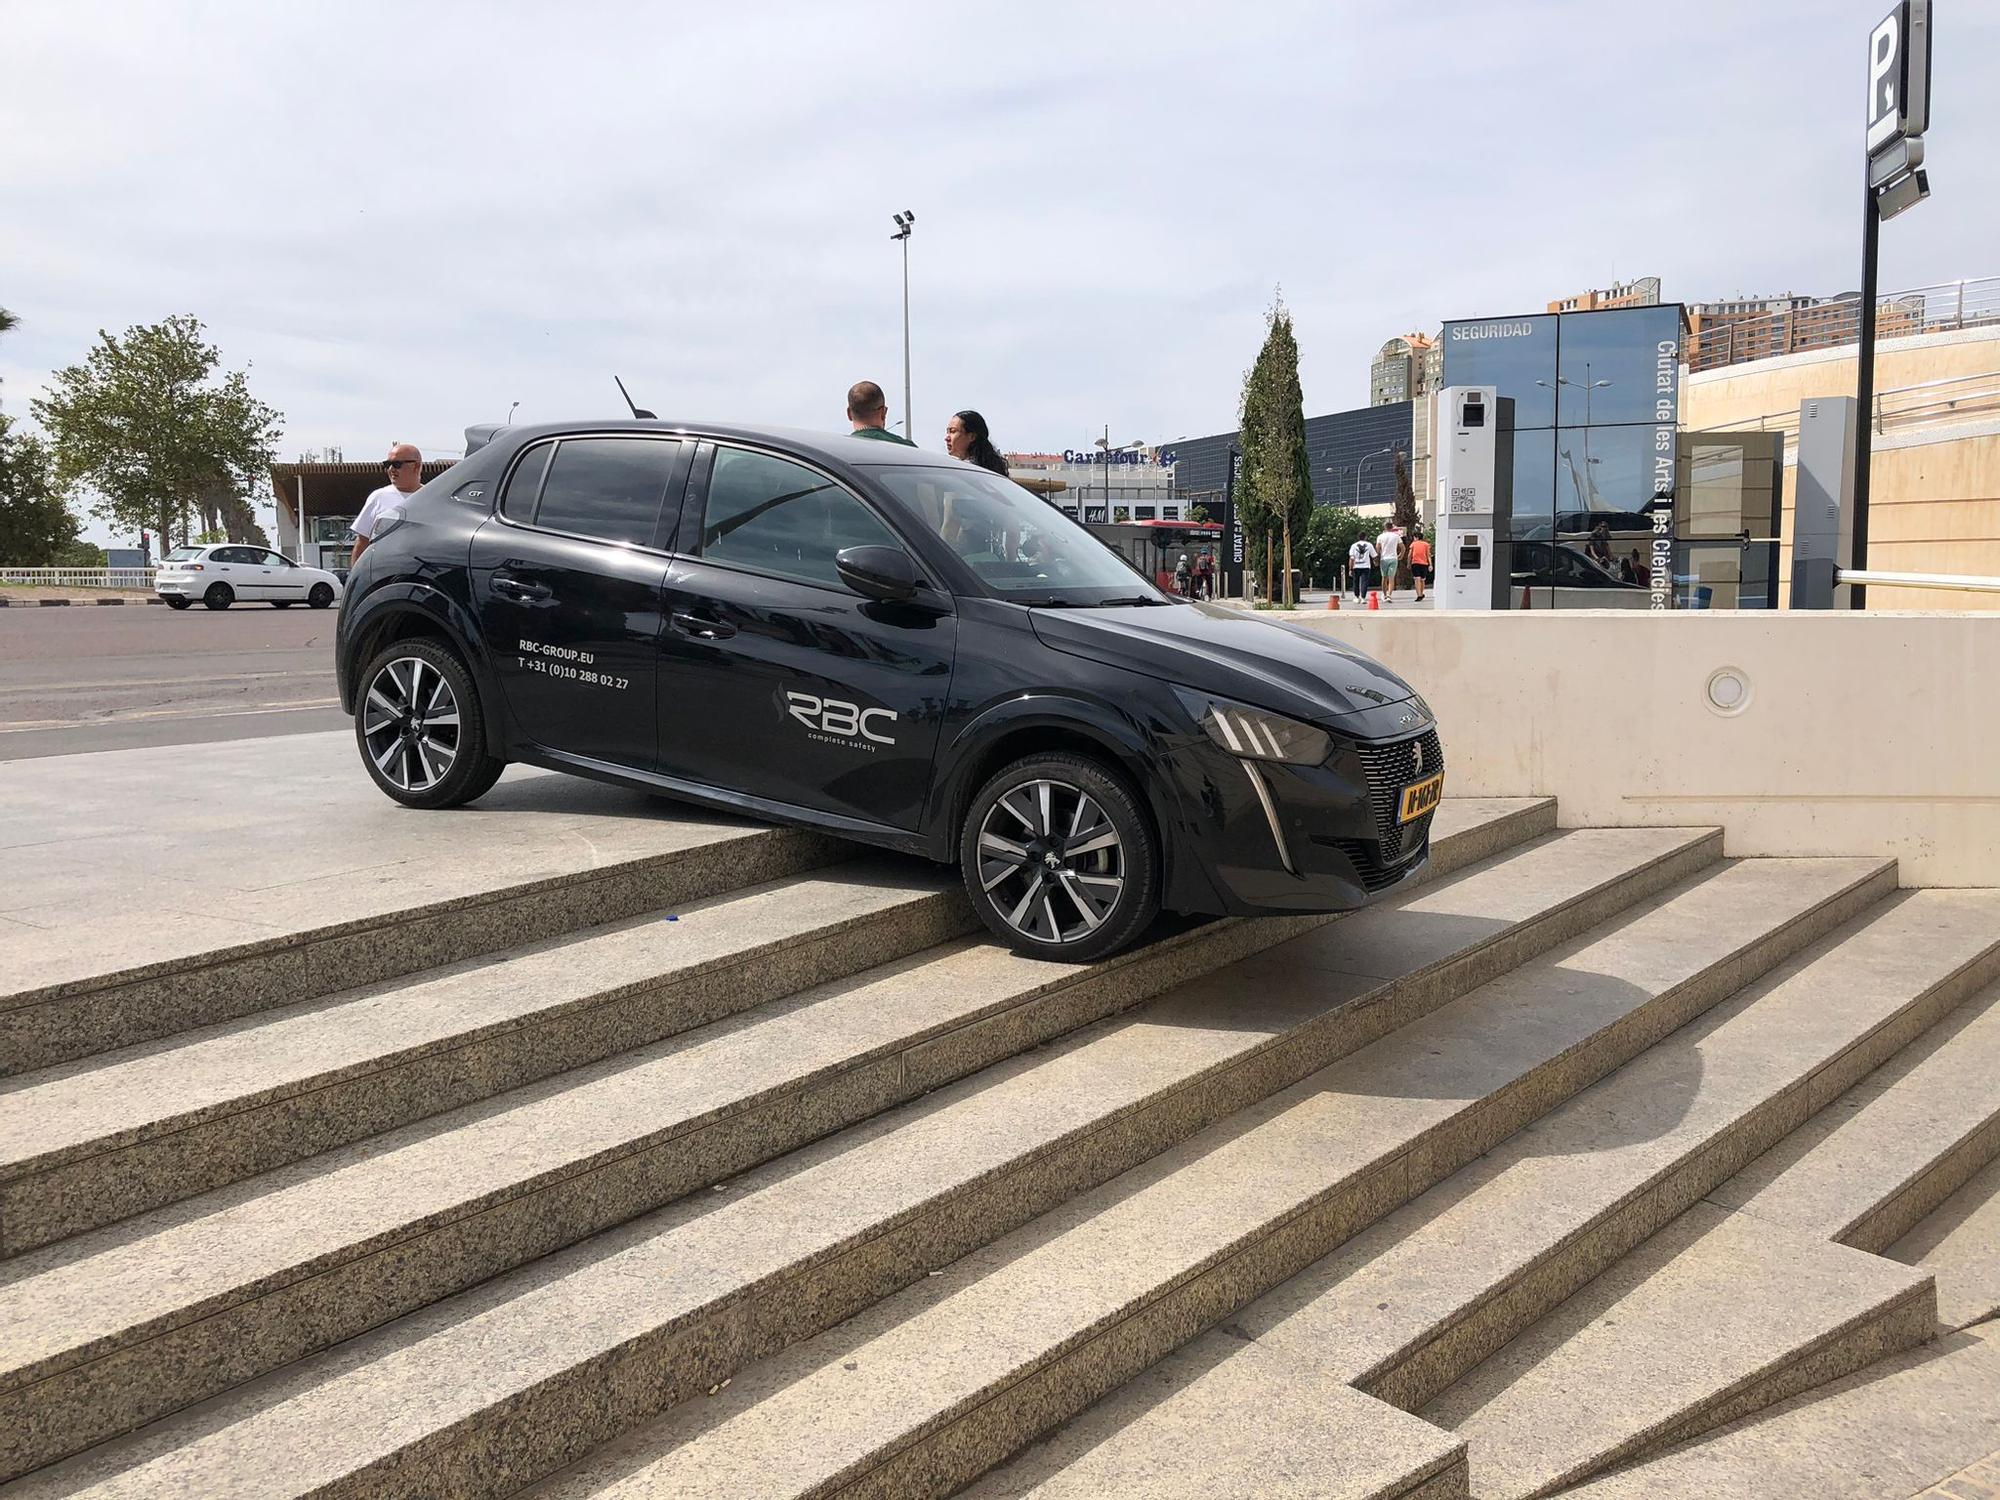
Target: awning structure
<point>328,489</point>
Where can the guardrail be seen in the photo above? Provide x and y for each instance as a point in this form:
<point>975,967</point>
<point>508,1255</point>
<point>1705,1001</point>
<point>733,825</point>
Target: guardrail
<point>1967,583</point>
<point>80,578</point>
<point>1835,322</point>
<point>1928,403</point>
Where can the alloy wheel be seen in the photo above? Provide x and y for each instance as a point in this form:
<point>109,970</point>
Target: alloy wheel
<point>410,723</point>
<point>1050,861</point>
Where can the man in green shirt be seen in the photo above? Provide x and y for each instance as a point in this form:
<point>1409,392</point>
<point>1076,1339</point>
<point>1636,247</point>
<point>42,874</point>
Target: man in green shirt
<point>868,410</point>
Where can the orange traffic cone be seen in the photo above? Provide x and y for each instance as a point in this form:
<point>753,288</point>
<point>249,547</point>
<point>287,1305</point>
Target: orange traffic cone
<point>1374,598</point>
<point>1333,600</point>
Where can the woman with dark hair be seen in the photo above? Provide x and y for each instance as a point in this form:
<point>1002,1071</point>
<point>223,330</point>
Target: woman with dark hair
<point>966,437</point>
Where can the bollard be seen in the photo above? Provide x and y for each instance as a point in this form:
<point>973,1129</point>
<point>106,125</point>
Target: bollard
<point>1374,598</point>
<point>1333,601</point>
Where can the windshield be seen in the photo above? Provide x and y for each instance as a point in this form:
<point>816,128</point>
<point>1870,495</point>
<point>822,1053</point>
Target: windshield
<point>1017,544</point>
<point>181,554</point>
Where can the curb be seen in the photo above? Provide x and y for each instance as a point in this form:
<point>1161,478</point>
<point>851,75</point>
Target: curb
<point>65,603</point>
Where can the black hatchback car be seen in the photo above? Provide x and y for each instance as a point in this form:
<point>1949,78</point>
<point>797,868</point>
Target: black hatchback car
<point>860,637</point>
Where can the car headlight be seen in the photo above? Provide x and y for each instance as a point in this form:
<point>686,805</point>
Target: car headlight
<point>1256,733</point>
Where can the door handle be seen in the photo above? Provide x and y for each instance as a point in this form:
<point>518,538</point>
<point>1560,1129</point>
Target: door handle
<point>702,627</point>
<point>515,588</point>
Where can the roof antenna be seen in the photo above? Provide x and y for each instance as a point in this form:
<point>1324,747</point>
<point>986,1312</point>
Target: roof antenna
<point>637,414</point>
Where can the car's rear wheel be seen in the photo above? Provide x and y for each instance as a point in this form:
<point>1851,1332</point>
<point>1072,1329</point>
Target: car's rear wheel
<point>281,604</point>
<point>321,595</point>
<point>219,596</point>
<point>1059,859</point>
<point>174,603</point>
<point>419,727</point>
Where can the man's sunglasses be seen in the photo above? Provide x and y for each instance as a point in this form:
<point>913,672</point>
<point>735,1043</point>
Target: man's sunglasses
<point>390,465</point>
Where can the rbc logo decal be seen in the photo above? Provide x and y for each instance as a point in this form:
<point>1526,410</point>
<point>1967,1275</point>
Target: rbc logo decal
<point>834,719</point>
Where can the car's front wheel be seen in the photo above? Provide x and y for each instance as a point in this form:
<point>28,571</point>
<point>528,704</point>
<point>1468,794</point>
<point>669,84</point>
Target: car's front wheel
<point>419,726</point>
<point>1060,860</point>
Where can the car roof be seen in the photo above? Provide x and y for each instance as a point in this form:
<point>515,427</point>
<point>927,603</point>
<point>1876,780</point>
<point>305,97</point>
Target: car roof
<point>831,447</point>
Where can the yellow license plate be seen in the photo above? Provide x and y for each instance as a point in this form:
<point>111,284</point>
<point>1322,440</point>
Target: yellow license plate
<point>1421,797</point>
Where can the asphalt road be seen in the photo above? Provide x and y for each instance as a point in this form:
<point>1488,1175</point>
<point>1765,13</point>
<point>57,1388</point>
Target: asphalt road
<point>81,679</point>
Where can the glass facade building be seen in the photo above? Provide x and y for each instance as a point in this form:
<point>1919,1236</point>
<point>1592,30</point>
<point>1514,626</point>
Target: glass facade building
<point>1349,452</point>
<point>1612,505</point>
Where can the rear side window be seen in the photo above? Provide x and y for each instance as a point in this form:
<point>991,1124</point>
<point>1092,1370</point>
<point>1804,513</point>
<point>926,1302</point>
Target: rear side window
<point>608,488</point>
<point>524,486</point>
<point>779,517</point>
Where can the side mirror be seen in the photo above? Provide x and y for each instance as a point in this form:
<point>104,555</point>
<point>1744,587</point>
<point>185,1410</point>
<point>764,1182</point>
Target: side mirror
<point>884,573</point>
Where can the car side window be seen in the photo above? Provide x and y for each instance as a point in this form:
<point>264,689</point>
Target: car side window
<point>608,488</point>
<point>524,485</point>
<point>235,555</point>
<point>779,517</point>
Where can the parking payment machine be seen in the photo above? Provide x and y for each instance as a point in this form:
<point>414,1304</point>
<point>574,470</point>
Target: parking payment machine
<point>1475,472</point>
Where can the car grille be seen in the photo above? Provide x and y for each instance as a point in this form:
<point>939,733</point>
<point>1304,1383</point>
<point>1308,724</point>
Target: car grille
<point>1389,769</point>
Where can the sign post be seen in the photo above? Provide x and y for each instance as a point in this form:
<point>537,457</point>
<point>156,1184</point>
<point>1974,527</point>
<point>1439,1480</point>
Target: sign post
<point>1899,105</point>
<point>1232,531</point>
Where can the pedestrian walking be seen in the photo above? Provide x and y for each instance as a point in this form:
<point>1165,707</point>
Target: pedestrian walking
<point>405,468</point>
<point>1420,562</point>
<point>1360,566</point>
<point>966,437</point>
<point>868,414</point>
<point>1388,557</point>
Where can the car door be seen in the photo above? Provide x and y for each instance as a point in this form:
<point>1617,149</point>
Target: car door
<point>280,576</point>
<point>230,565</point>
<point>566,579</point>
<point>778,681</point>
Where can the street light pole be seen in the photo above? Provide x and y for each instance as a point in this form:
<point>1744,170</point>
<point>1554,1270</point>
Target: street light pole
<point>905,222</point>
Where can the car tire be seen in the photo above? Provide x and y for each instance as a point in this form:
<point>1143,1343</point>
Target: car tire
<point>410,751</point>
<point>281,604</point>
<point>321,595</point>
<point>173,603</point>
<point>219,596</point>
<point>1037,893</point>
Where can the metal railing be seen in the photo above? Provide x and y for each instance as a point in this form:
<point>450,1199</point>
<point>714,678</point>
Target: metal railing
<point>1963,582</point>
<point>80,578</point>
<point>1831,324</point>
<point>1928,403</point>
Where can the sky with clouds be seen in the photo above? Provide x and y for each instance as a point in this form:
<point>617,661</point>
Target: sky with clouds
<point>404,217</point>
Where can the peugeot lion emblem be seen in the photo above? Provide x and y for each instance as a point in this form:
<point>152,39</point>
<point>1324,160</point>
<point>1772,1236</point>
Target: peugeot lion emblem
<point>1419,748</point>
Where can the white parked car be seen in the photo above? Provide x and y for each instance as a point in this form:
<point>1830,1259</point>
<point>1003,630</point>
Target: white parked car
<point>228,572</point>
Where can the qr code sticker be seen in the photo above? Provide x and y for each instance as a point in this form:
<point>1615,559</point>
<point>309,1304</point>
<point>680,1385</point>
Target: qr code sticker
<point>1463,498</point>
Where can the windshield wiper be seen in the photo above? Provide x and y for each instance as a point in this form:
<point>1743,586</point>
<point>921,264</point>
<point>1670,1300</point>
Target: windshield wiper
<point>1134,599</point>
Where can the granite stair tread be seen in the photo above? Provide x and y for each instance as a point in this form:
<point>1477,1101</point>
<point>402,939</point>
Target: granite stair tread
<point>1716,1315</point>
<point>924,1391</point>
<point>1887,1433</point>
<point>1959,1243</point>
<point>811,1237</point>
<point>1894,1146</point>
<point>1413,1302</point>
<point>1268,1428</point>
<point>86,1144</point>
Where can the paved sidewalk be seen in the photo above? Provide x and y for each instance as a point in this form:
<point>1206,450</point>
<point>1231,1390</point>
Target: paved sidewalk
<point>144,857</point>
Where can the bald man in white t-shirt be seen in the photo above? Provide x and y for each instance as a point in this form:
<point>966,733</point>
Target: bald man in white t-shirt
<point>405,468</point>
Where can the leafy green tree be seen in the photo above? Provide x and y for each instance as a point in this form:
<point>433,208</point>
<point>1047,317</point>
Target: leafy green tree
<point>1277,475</point>
<point>1330,531</point>
<point>35,524</point>
<point>147,425</point>
<point>1199,515</point>
<point>1121,515</point>
<point>80,555</point>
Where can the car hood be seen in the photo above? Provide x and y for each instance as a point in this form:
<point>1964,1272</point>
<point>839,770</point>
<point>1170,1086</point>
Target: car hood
<point>1230,653</point>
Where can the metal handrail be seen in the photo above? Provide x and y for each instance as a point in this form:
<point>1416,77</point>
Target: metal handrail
<point>1964,582</point>
<point>1884,411</point>
<point>1967,303</point>
<point>80,578</point>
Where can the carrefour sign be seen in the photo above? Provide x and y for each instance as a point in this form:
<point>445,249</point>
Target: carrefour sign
<point>1085,456</point>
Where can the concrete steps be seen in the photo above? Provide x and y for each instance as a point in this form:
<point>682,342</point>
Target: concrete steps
<point>1958,1242</point>
<point>113,1329</point>
<point>88,1144</point>
<point>923,1392</point>
<point>65,1006</point>
<point>1411,1306</point>
<point>1891,1432</point>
